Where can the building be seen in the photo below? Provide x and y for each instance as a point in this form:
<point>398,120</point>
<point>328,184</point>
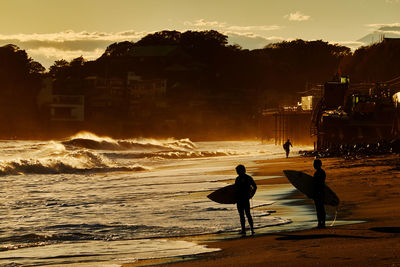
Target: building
<point>112,105</point>
<point>146,97</point>
<point>145,89</point>
<point>291,122</point>
<point>60,107</point>
<point>105,98</point>
<point>357,114</point>
<point>67,108</point>
<point>311,97</point>
<point>285,123</point>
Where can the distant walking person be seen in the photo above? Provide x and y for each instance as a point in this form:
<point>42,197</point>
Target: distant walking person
<point>245,188</point>
<point>286,147</point>
<point>319,195</point>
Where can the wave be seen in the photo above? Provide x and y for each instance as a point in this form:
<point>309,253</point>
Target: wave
<point>56,167</point>
<point>169,155</point>
<point>85,232</point>
<point>142,144</point>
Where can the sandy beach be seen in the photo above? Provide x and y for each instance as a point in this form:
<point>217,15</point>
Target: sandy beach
<point>369,190</point>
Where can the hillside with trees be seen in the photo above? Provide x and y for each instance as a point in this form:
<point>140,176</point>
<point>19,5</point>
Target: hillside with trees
<point>20,81</point>
<point>214,89</point>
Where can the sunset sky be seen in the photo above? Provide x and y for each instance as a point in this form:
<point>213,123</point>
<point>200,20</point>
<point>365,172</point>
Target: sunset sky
<point>53,29</point>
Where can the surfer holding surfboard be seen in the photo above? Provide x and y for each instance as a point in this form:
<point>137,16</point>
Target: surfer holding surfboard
<point>319,195</point>
<point>245,188</point>
<point>286,147</point>
<point>314,187</point>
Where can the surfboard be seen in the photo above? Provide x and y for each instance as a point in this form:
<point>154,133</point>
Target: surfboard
<point>226,195</point>
<point>304,183</point>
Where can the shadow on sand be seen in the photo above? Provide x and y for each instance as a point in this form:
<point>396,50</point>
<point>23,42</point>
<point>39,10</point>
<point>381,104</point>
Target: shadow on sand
<point>319,236</point>
<point>391,230</point>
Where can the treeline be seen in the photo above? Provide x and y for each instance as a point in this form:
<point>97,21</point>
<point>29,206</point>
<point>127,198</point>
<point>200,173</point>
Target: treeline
<point>206,77</point>
<point>378,62</point>
<point>20,82</point>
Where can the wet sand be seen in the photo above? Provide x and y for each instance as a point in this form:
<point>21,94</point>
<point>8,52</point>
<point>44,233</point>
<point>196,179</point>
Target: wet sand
<point>369,190</point>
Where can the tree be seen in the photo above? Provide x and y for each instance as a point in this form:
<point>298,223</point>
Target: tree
<point>118,49</point>
<point>375,63</point>
<point>161,38</point>
<point>77,62</point>
<point>36,68</point>
<point>20,79</point>
<point>58,66</point>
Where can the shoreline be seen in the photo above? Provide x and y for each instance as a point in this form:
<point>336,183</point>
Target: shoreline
<point>369,192</point>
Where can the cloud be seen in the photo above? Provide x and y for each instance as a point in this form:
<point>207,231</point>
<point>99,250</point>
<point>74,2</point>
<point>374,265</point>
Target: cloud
<point>391,30</point>
<point>223,26</point>
<point>353,45</point>
<point>383,25</point>
<point>47,55</point>
<point>68,38</point>
<point>74,36</point>
<point>253,28</point>
<point>204,23</point>
<point>48,47</point>
<point>53,53</point>
<point>297,16</point>
<point>251,40</point>
<point>248,37</point>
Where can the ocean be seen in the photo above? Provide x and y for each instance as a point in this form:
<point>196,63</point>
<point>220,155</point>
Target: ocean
<point>90,199</point>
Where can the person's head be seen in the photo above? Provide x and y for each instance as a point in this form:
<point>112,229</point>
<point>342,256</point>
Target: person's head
<point>317,164</point>
<point>240,169</point>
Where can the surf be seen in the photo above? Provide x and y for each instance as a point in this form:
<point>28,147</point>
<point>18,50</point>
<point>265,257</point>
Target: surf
<point>74,191</point>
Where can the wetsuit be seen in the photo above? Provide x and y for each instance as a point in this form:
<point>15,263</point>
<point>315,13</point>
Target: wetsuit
<point>319,185</point>
<point>286,147</point>
<point>243,184</point>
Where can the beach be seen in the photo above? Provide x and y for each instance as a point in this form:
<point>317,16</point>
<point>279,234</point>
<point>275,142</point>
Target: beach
<point>91,201</point>
<point>369,190</point>
<point>96,201</point>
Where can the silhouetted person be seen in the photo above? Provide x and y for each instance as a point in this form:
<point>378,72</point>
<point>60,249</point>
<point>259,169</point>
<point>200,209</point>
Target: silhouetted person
<point>319,195</point>
<point>286,147</point>
<point>244,185</point>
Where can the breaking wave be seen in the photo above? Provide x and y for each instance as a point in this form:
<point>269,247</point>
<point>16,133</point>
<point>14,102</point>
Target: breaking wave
<point>88,153</point>
<point>169,155</point>
<point>76,162</point>
<point>91,141</point>
<point>57,167</point>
